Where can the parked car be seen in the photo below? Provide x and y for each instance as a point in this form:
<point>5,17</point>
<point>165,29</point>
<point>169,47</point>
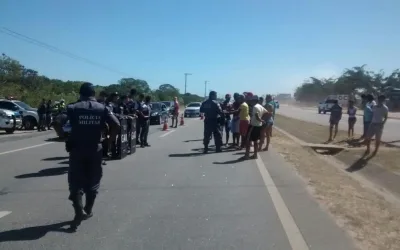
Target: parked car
<point>30,118</point>
<point>325,106</point>
<point>170,106</point>
<point>10,120</point>
<point>159,113</point>
<point>192,109</point>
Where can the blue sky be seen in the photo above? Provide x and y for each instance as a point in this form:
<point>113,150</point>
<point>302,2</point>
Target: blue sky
<point>255,45</point>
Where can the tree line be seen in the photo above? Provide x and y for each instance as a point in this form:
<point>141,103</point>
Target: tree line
<point>29,86</point>
<point>353,82</point>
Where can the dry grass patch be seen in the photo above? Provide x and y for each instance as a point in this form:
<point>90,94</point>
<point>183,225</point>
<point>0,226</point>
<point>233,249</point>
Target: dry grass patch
<point>372,222</point>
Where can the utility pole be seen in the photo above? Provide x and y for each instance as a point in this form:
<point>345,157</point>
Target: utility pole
<point>205,88</point>
<point>186,74</point>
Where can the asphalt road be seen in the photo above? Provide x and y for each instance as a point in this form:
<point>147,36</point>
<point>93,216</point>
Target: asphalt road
<point>168,196</point>
<point>391,133</point>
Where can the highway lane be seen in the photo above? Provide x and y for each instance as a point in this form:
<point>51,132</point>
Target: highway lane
<point>168,196</point>
<point>391,132</point>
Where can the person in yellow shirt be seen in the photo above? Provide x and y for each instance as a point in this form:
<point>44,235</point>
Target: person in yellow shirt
<point>244,120</point>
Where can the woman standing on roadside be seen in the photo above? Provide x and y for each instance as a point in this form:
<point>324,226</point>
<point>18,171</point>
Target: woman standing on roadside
<point>351,111</point>
<point>266,130</point>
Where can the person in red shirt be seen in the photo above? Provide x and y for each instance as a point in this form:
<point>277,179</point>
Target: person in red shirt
<point>175,113</point>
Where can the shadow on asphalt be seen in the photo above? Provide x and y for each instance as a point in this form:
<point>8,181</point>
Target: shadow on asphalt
<point>57,158</point>
<point>34,233</point>
<point>187,154</point>
<point>45,173</point>
<point>193,140</point>
<point>55,139</point>
<point>360,163</point>
<point>228,162</point>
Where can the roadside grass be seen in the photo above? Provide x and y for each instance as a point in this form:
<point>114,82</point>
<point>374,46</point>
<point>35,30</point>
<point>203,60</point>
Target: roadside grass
<point>372,221</point>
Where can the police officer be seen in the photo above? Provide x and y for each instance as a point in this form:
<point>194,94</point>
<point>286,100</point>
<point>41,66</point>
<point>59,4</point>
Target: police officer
<point>87,118</point>
<point>212,112</point>
<point>113,106</point>
<point>103,96</point>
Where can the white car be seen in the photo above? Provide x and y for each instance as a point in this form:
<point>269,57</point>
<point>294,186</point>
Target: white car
<point>192,109</point>
<point>9,120</point>
<point>325,106</point>
<point>30,118</point>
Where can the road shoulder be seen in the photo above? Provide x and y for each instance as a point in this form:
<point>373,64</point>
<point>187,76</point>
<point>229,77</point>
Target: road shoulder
<point>367,217</point>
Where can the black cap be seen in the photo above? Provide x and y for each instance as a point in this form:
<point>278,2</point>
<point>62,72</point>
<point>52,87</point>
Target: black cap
<point>87,89</point>
<point>212,93</point>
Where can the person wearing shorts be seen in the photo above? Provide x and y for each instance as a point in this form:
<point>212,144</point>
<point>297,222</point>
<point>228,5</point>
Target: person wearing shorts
<point>244,120</point>
<point>334,119</point>
<point>267,127</point>
<point>175,113</point>
<point>255,127</point>
<point>235,120</point>
<point>379,118</point>
<point>351,111</point>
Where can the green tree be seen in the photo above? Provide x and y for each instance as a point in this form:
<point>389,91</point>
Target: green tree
<point>29,86</point>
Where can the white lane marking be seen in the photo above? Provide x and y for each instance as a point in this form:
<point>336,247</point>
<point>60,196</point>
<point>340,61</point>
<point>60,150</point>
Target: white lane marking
<point>4,213</point>
<point>167,133</point>
<point>20,149</point>
<point>292,231</point>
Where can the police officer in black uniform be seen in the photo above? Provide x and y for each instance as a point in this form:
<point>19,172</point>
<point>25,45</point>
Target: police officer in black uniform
<point>212,112</point>
<point>103,96</point>
<point>87,118</point>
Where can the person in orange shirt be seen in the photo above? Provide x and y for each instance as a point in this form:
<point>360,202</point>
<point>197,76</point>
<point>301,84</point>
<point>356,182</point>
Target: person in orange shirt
<point>175,113</point>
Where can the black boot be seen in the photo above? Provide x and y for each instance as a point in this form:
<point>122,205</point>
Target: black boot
<point>79,214</point>
<point>89,206</point>
<point>205,151</point>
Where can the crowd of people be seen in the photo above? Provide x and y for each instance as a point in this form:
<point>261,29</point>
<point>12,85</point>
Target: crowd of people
<point>374,119</point>
<point>249,118</point>
<point>46,110</point>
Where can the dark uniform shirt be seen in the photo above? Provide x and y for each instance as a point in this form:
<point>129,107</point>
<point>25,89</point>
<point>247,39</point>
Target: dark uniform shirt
<point>42,109</point>
<point>211,109</point>
<point>87,118</point>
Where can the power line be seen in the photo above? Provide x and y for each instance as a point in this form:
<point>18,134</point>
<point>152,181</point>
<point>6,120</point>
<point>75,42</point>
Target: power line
<point>57,50</point>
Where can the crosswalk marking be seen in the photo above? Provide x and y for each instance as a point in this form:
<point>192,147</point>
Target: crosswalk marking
<point>4,213</point>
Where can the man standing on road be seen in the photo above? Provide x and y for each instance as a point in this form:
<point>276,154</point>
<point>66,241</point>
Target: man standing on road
<point>336,116</point>
<point>87,118</point>
<point>145,122</point>
<point>271,104</point>
<point>235,120</point>
<point>48,114</point>
<point>379,118</point>
<point>226,106</point>
<point>244,116</point>
<point>175,113</point>
<point>42,116</point>
<point>139,109</point>
<point>368,114</point>
<point>212,111</point>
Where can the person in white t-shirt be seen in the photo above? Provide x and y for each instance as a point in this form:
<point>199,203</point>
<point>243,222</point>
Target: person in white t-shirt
<point>379,118</point>
<point>256,123</point>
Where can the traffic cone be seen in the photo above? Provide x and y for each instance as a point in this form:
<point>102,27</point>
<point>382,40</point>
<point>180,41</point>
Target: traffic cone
<point>182,121</point>
<point>165,127</point>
